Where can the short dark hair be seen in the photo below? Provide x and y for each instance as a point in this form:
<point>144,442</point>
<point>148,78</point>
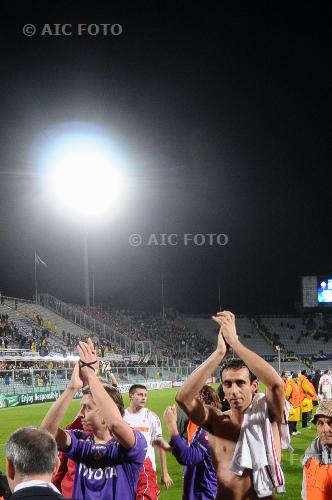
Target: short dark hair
<point>237,364</point>
<point>304,372</point>
<point>134,388</point>
<point>113,392</point>
<point>210,396</point>
<point>32,451</point>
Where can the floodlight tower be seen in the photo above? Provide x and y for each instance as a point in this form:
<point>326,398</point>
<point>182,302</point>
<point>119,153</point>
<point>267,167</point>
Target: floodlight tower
<point>86,176</point>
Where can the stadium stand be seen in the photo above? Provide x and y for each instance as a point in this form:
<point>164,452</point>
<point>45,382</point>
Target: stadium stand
<point>136,341</point>
<point>301,336</point>
<point>246,331</point>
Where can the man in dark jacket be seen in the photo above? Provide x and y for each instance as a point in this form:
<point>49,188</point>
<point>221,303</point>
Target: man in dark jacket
<point>4,488</point>
<point>31,459</point>
<point>316,379</point>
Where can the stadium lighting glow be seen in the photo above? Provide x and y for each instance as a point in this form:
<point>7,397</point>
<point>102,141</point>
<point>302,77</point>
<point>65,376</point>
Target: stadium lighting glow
<point>85,174</point>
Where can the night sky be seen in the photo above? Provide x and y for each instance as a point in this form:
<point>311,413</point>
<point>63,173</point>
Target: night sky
<point>224,117</point>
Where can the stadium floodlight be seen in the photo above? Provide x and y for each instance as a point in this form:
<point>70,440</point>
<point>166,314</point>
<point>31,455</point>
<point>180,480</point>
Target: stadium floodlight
<point>85,175</point>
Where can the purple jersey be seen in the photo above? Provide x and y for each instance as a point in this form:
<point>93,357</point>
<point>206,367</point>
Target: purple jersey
<point>200,481</point>
<point>105,471</point>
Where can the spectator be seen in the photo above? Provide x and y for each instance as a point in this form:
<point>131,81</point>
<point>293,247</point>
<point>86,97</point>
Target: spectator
<point>317,471</point>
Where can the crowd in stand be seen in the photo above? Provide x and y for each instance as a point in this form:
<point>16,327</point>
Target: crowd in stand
<point>169,333</point>
<point>316,327</point>
<point>107,454</point>
<point>117,320</point>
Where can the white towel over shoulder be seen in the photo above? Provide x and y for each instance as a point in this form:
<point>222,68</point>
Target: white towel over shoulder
<point>256,450</point>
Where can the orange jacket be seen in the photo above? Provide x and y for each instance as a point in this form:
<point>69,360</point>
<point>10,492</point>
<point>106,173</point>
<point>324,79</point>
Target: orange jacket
<point>305,387</point>
<point>292,393</point>
<point>318,480</point>
<point>314,397</point>
<point>191,429</point>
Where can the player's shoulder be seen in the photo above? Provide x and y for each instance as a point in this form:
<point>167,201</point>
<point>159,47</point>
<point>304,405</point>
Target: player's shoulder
<point>79,435</point>
<point>151,415</point>
<point>127,414</point>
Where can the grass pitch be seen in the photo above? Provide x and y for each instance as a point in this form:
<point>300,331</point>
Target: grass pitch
<point>13,418</point>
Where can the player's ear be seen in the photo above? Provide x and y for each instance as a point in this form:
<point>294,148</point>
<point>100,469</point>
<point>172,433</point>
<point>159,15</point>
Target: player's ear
<point>10,469</point>
<point>255,385</point>
<point>57,465</point>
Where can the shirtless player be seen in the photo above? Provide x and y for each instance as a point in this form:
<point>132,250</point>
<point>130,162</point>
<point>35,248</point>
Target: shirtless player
<point>239,379</point>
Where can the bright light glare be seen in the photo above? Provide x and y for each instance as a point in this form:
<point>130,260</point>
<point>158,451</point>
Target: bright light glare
<point>85,175</point>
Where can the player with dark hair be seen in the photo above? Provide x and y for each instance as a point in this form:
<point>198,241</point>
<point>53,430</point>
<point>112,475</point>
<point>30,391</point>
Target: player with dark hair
<point>146,421</point>
<point>245,440</point>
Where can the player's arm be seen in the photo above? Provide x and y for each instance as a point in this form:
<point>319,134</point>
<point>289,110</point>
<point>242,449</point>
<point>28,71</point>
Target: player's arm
<point>288,391</point>
<point>185,455</point>
<point>56,413</point>
<point>186,396</point>
<point>111,414</point>
<point>156,435</point>
<point>165,477</point>
<point>306,388</point>
<point>275,396</point>
<point>114,382</point>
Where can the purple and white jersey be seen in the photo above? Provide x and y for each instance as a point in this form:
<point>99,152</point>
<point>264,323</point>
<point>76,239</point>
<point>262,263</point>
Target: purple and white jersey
<point>105,471</point>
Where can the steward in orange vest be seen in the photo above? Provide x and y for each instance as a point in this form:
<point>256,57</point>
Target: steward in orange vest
<point>292,394</point>
<point>307,392</point>
<point>317,472</point>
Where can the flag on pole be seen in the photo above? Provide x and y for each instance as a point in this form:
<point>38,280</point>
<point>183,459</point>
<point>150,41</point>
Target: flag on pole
<point>38,260</point>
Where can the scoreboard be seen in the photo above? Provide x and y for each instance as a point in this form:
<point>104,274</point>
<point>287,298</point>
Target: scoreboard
<point>317,291</point>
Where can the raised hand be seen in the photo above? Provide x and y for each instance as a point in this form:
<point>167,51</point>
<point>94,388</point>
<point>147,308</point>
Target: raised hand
<point>88,359</point>
<point>170,415</point>
<point>226,320</point>
<point>221,344</point>
<point>76,381</point>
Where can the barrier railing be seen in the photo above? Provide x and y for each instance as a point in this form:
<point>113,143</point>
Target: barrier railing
<point>14,381</point>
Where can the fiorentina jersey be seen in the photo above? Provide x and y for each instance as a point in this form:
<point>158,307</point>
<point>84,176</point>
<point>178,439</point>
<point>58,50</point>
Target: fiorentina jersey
<point>105,471</point>
<point>199,481</point>
<point>148,423</point>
